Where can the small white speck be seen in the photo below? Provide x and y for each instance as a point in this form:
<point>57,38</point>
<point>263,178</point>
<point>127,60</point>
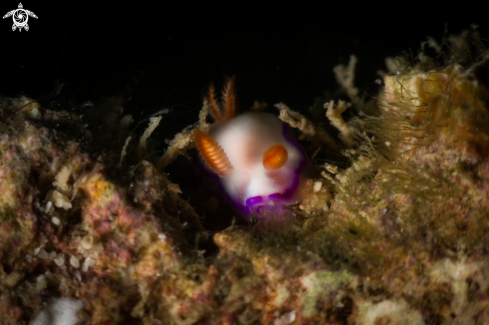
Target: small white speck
<point>60,260</point>
<point>88,263</point>
<point>74,262</point>
<point>87,242</point>
<point>59,311</point>
<point>285,319</point>
<point>85,265</point>
<point>43,254</point>
<point>387,143</point>
<point>317,186</point>
<point>162,237</point>
<point>41,283</point>
<point>55,220</point>
<point>49,205</point>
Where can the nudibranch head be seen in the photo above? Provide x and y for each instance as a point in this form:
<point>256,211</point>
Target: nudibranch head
<point>258,166</point>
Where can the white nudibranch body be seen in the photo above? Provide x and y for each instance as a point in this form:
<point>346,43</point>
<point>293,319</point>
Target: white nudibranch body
<point>258,166</point>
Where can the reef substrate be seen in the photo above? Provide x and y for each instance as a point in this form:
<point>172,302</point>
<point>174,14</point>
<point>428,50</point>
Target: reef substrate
<point>399,237</point>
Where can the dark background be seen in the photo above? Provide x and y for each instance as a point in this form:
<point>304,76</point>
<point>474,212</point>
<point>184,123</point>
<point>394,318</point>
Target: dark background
<point>282,54</point>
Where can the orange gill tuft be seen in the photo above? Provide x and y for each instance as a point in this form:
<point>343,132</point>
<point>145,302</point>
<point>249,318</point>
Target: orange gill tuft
<point>212,153</point>
<point>275,157</point>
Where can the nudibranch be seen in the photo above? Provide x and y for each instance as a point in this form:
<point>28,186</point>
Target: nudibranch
<point>258,166</point>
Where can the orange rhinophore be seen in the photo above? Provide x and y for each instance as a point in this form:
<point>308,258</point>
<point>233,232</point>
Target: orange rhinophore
<point>215,111</point>
<point>229,98</point>
<point>212,153</point>
<point>226,109</point>
<point>275,157</point>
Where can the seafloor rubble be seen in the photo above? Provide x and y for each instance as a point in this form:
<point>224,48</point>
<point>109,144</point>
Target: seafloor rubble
<point>401,236</point>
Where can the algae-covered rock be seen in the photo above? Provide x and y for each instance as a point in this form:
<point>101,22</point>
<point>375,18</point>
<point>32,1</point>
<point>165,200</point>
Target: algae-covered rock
<point>398,237</point>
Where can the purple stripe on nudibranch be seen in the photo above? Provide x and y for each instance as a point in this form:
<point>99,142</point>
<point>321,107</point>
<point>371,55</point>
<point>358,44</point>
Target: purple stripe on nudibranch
<point>256,200</point>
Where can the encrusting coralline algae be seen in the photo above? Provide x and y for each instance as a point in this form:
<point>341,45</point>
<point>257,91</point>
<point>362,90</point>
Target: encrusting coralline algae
<point>399,237</point>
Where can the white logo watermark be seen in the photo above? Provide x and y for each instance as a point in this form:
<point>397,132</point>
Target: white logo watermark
<point>20,17</point>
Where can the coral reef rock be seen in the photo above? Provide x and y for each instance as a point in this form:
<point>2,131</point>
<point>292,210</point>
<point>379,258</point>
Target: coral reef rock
<point>399,237</point>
